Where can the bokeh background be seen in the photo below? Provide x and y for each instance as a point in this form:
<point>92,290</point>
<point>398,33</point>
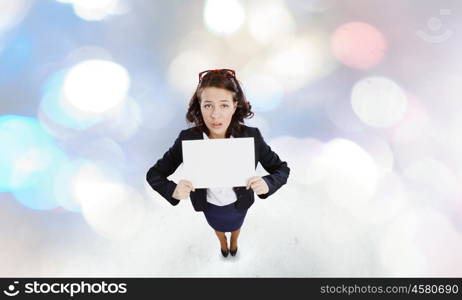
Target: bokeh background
<point>362,98</point>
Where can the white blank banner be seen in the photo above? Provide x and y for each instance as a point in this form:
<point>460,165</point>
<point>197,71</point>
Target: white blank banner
<point>213,163</point>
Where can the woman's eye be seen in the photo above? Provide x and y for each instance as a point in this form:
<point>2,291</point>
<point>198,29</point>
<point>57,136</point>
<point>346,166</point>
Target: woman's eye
<point>207,105</point>
<point>225,105</point>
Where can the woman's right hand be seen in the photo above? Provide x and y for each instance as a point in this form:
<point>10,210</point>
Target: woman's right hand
<point>182,190</point>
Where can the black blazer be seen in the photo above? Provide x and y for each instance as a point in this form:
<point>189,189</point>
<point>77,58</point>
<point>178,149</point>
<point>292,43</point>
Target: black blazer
<point>164,167</point>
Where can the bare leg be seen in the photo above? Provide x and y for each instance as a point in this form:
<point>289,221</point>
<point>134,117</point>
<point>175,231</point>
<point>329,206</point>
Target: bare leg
<point>234,236</point>
<point>223,241</point>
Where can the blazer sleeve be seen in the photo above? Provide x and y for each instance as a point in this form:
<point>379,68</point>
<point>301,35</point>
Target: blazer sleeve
<point>164,167</point>
<point>277,169</point>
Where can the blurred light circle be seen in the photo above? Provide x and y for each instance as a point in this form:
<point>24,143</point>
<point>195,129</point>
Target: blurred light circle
<point>88,52</point>
<point>414,123</point>
<point>29,161</point>
<point>54,107</point>
<point>24,151</point>
<point>111,208</point>
<point>351,173</point>
<point>303,155</point>
<point>358,45</point>
<point>295,62</point>
<point>183,72</point>
<point>94,10</point>
<point>223,17</point>
<point>63,185</point>
<point>16,57</point>
<point>269,20</point>
<point>378,148</point>
<point>314,6</point>
<point>263,92</point>
<point>124,122</point>
<point>388,202</point>
<point>103,150</point>
<point>441,140</point>
<point>12,12</point>
<point>378,101</point>
<point>340,113</point>
<point>432,182</point>
<point>243,46</point>
<point>153,105</point>
<point>116,211</point>
<point>73,176</point>
<point>200,40</point>
<point>40,195</point>
<point>89,173</point>
<point>96,86</point>
<point>54,129</point>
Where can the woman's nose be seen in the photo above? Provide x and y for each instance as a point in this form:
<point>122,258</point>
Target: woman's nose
<point>215,112</point>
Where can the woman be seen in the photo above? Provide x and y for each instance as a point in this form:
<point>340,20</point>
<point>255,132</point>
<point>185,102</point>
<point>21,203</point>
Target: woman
<point>217,109</point>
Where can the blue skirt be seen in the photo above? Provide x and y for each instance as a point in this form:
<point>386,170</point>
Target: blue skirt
<point>224,218</point>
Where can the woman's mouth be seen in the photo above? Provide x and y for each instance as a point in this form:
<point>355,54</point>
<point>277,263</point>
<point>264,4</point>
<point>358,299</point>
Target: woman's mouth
<point>216,125</point>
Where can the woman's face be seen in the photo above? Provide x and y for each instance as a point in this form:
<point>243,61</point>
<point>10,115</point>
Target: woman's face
<point>217,108</point>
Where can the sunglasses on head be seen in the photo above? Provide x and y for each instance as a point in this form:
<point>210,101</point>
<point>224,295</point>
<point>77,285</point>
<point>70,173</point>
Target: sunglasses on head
<point>227,72</point>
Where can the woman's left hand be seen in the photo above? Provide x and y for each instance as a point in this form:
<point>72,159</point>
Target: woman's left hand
<point>258,185</point>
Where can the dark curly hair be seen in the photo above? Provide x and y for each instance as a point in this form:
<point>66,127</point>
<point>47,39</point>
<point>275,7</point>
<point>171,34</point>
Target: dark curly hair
<point>220,79</point>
